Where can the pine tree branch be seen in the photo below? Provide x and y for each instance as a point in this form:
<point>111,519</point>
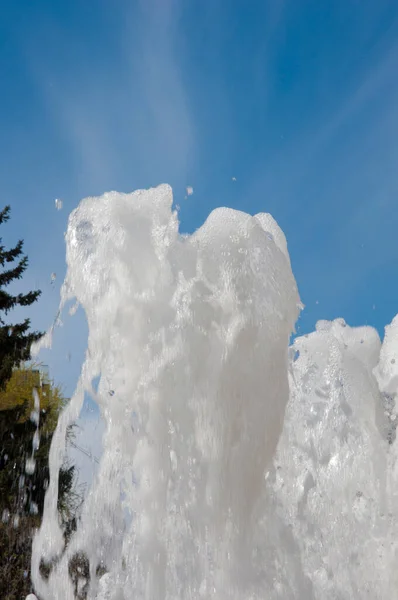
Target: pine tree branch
<point>8,301</point>
<point>15,348</point>
<point>5,214</point>
<point>28,299</point>
<point>19,328</point>
<point>7,276</point>
<point>10,255</point>
<point>15,341</point>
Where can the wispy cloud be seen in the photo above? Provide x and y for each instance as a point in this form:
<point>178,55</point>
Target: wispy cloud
<point>156,76</point>
<point>130,120</point>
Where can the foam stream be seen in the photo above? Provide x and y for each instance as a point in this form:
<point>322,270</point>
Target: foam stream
<point>212,483</point>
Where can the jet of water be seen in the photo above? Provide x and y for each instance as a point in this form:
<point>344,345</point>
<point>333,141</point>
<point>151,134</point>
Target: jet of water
<point>232,467</point>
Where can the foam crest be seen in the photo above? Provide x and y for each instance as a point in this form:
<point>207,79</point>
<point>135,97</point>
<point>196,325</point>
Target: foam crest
<point>233,466</point>
<point>189,337</point>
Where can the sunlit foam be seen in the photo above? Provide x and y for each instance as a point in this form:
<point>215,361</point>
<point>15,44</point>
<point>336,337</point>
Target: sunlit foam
<point>212,483</point>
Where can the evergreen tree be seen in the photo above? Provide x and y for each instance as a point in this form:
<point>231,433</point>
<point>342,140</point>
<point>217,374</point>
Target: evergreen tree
<point>22,493</point>
<point>15,340</point>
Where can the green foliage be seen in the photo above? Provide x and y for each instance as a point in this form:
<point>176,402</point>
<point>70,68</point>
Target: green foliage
<point>15,552</point>
<point>22,490</point>
<point>22,493</point>
<point>15,340</point>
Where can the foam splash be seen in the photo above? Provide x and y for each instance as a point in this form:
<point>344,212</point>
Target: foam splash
<point>206,488</point>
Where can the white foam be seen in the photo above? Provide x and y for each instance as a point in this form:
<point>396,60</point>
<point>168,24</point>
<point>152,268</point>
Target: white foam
<point>204,488</point>
<point>332,465</point>
<point>386,371</point>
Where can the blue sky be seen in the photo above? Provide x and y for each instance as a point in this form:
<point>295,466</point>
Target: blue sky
<point>296,99</point>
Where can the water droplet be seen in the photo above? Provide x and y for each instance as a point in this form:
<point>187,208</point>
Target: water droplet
<point>5,516</point>
<point>34,416</point>
<point>58,204</point>
<point>36,440</point>
<point>189,190</point>
<point>173,460</point>
<point>73,309</point>
<point>34,509</point>
<point>30,466</point>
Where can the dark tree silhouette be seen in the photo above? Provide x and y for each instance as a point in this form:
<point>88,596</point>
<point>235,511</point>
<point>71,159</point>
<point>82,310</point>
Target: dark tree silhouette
<point>22,492</point>
<point>15,339</point>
